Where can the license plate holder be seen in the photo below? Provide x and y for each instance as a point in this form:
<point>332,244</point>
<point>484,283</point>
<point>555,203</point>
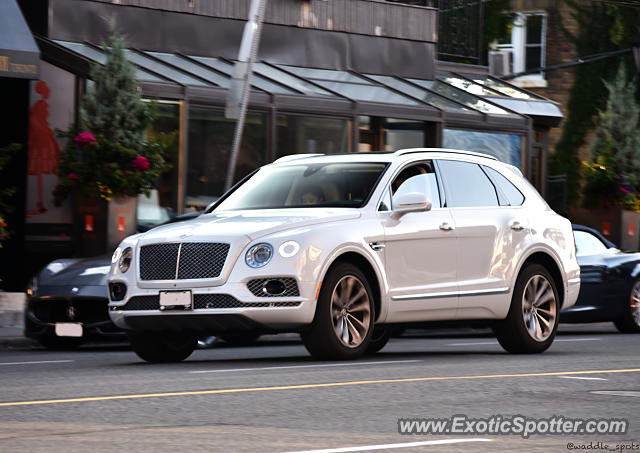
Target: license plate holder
<point>176,300</point>
<point>68,329</point>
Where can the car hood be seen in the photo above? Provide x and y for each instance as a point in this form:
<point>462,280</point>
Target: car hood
<point>79,272</point>
<point>250,224</point>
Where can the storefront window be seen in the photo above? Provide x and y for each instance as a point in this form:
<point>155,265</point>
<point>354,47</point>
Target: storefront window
<point>390,134</point>
<point>304,134</point>
<point>163,203</point>
<point>505,147</point>
<point>210,143</point>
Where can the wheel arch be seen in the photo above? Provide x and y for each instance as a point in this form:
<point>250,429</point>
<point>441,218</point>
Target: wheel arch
<point>361,262</point>
<point>547,260</point>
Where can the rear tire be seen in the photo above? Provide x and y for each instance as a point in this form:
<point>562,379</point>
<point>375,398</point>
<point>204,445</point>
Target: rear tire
<point>629,322</point>
<point>162,347</point>
<point>343,323</point>
<point>532,322</point>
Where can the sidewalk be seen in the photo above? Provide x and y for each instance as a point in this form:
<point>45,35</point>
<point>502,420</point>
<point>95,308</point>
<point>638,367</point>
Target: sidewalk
<point>11,322</point>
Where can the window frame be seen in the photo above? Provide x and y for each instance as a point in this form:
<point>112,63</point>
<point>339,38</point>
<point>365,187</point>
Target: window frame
<point>519,45</point>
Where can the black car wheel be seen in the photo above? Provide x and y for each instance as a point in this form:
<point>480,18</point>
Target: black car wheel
<point>162,347</point>
<point>343,323</point>
<point>629,322</point>
<point>532,321</point>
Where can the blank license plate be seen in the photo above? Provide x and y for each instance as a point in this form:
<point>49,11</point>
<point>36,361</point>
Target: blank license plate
<point>68,329</point>
<point>176,300</point>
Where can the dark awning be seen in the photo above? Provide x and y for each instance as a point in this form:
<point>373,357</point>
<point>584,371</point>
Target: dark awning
<point>19,55</point>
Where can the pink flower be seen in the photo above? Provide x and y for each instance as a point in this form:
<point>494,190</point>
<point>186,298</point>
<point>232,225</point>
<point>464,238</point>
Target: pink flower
<point>3,224</point>
<point>72,176</point>
<point>140,163</point>
<point>625,190</point>
<point>84,137</point>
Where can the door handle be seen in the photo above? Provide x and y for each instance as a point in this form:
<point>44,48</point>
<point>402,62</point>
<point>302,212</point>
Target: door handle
<point>376,246</point>
<point>446,227</point>
<point>516,226</point>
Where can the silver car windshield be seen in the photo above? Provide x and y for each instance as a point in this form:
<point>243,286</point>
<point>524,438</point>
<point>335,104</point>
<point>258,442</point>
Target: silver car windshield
<point>311,185</point>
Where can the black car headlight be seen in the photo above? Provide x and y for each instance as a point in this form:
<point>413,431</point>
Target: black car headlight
<point>125,260</point>
<point>32,287</point>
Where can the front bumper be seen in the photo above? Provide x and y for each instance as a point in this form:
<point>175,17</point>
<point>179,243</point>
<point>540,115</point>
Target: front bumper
<point>229,308</point>
<point>43,313</point>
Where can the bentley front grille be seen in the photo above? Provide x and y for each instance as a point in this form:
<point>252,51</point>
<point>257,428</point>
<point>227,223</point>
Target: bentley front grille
<point>182,261</point>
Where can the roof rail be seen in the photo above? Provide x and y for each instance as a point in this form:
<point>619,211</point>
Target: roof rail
<point>403,152</point>
<point>291,157</point>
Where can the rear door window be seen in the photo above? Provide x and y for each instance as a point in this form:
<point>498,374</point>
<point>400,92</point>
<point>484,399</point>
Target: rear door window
<point>466,185</point>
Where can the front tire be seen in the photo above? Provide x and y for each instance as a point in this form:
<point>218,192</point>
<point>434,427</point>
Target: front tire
<point>379,339</point>
<point>343,323</point>
<point>629,322</point>
<point>532,322</point>
<point>162,347</point>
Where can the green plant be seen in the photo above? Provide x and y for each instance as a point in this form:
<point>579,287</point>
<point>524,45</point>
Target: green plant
<point>614,174</point>
<point>97,167</point>
<point>110,157</point>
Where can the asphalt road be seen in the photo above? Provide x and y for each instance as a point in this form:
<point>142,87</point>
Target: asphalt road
<point>273,398</point>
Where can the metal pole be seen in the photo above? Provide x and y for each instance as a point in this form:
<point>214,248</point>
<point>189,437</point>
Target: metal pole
<point>237,108</point>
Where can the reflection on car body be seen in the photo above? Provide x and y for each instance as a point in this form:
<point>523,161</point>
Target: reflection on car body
<point>461,241</point>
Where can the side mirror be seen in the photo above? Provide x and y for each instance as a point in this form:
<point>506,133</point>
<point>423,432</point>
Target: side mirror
<point>410,202</point>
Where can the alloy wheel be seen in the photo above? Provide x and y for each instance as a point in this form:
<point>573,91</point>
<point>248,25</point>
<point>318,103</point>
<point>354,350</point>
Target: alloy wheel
<point>539,307</point>
<point>350,311</point>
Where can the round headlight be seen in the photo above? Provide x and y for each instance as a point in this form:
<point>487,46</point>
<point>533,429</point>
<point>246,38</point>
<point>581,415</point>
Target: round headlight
<point>125,260</point>
<point>259,255</point>
<point>116,256</point>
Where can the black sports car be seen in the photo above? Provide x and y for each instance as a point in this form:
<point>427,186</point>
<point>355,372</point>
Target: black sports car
<point>609,283</point>
<point>67,302</point>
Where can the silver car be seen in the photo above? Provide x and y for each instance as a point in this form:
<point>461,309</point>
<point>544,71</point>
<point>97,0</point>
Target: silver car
<point>342,247</point>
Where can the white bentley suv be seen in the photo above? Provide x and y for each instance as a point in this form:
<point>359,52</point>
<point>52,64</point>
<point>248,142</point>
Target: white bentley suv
<point>341,247</point>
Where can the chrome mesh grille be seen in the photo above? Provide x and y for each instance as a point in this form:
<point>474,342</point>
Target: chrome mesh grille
<point>290,285</point>
<point>202,259</point>
<point>158,261</point>
<point>143,303</point>
<point>196,260</point>
<point>215,301</point>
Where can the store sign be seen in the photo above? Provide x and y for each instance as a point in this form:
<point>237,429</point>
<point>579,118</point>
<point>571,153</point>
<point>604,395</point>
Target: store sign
<point>11,68</point>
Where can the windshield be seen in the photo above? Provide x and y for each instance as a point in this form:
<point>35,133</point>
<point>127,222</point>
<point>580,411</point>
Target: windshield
<point>312,185</point>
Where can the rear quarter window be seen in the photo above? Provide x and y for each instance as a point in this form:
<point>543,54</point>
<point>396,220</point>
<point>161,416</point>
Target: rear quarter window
<point>510,195</point>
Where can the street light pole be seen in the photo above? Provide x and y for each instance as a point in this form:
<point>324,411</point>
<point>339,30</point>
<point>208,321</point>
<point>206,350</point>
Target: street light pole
<point>238,96</point>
